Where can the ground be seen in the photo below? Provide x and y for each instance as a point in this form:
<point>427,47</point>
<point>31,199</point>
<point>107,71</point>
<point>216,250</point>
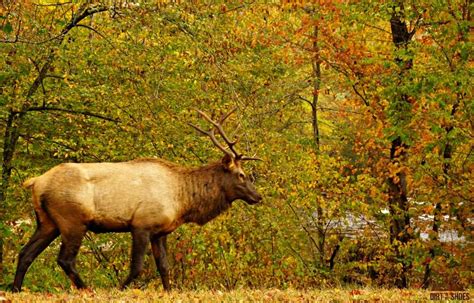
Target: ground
<point>240,295</point>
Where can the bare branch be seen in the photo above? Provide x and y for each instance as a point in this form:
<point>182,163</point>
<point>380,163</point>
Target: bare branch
<point>364,99</point>
<point>339,110</point>
<point>306,100</point>
<point>305,228</point>
<point>245,158</point>
<point>377,28</point>
<point>73,23</point>
<point>71,111</point>
<point>95,31</point>
<point>55,76</point>
<point>236,8</point>
<point>53,4</point>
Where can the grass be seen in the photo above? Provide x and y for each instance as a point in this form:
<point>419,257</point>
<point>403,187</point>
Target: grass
<point>239,295</point>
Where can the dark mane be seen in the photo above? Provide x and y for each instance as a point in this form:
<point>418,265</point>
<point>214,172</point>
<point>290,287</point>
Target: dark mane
<point>202,195</point>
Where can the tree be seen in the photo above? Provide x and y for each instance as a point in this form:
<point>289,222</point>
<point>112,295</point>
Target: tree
<point>400,229</point>
<point>17,109</point>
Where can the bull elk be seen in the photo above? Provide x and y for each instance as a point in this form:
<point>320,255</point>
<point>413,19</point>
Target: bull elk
<point>148,197</point>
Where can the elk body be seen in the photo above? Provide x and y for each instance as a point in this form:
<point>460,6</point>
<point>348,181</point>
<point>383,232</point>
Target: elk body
<point>148,197</point>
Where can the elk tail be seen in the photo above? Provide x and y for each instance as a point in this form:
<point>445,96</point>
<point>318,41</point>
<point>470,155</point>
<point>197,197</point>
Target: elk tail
<point>29,183</point>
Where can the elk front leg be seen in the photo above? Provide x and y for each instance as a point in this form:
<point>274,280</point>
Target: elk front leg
<point>139,242</point>
<point>71,242</point>
<point>158,246</point>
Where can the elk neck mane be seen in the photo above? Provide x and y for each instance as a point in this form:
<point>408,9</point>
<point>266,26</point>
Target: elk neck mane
<point>201,193</point>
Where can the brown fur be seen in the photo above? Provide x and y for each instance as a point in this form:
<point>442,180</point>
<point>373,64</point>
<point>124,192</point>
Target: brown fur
<point>163,162</point>
<point>202,196</point>
<point>149,197</point>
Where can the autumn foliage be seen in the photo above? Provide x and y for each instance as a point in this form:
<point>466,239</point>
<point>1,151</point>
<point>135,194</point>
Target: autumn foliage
<point>361,110</point>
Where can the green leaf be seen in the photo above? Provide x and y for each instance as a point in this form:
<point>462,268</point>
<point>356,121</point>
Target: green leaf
<point>7,28</point>
<point>465,51</point>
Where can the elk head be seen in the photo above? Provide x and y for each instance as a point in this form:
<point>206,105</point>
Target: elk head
<point>236,184</point>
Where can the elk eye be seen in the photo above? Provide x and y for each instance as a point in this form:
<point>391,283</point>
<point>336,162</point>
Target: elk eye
<point>241,176</point>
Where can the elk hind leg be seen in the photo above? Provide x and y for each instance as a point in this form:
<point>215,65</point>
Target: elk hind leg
<point>46,232</point>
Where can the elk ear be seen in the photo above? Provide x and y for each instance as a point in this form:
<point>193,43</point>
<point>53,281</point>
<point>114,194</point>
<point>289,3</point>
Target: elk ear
<point>228,162</point>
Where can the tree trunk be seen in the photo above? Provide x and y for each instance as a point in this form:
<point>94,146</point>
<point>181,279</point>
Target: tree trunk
<point>316,87</point>
<point>398,200</point>
<point>316,64</point>
<point>10,138</point>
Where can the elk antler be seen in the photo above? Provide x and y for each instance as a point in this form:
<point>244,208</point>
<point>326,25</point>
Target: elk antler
<point>218,125</point>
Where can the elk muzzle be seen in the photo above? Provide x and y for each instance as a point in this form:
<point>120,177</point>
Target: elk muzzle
<point>251,196</point>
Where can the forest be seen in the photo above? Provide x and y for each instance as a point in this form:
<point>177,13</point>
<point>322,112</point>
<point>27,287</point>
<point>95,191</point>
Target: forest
<point>361,112</point>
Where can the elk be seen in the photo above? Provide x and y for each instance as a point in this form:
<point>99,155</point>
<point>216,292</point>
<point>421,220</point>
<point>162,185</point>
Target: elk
<point>148,197</point>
